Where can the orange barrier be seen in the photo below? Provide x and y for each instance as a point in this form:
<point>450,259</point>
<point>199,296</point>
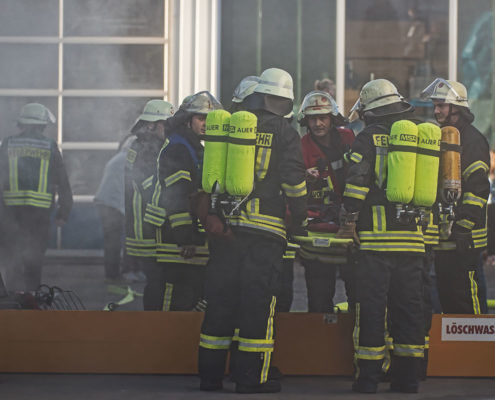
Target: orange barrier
<point>167,343</point>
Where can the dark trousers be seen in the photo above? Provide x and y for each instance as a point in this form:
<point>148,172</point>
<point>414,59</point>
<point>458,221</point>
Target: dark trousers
<point>285,292</point>
<point>26,231</point>
<point>457,281</point>
<point>428,261</point>
<point>320,285</point>
<point>112,221</point>
<point>395,280</point>
<point>241,283</point>
<point>172,286</point>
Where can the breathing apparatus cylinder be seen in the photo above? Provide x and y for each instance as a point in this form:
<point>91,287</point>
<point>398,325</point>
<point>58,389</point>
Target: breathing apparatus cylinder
<point>450,165</point>
<point>239,177</point>
<point>427,164</point>
<point>403,143</point>
<point>215,155</point>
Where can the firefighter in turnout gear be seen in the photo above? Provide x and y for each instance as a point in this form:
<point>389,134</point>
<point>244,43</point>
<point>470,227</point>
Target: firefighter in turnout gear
<point>181,253</point>
<point>242,274</point>
<point>388,274</point>
<point>32,173</point>
<point>323,147</point>
<point>457,255</point>
<point>149,129</point>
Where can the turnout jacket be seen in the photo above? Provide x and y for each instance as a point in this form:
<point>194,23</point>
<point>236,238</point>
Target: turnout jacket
<point>178,177</point>
<point>32,171</point>
<point>279,179</point>
<point>470,212</point>
<point>377,226</point>
<point>326,191</point>
<point>139,172</point>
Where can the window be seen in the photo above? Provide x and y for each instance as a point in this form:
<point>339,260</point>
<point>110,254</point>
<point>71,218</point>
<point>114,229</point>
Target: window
<point>475,60</point>
<point>298,36</point>
<point>405,42</point>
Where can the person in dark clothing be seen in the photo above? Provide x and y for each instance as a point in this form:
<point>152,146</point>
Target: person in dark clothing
<point>242,276</point>
<point>32,173</point>
<point>181,253</point>
<point>458,254</point>
<point>388,276</point>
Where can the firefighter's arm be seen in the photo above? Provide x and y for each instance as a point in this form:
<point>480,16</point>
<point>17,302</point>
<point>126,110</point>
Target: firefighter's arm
<point>359,175</point>
<point>63,188</point>
<point>476,188</point>
<point>292,172</point>
<point>175,174</point>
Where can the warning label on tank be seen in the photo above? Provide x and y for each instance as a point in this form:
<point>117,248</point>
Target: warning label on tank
<point>468,329</point>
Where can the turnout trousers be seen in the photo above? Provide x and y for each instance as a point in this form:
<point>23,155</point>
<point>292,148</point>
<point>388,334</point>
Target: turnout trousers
<point>27,232</point>
<point>394,280</point>
<point>172,286</point>
<point>242,278</point>
<point>457,281</point>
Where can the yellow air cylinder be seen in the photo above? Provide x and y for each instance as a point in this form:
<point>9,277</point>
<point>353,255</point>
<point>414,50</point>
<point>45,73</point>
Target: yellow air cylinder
<point>450,165</point>
<point>239,177</point>
<point>427,164</point>
<point>215,155</point>
<point>403,144</point>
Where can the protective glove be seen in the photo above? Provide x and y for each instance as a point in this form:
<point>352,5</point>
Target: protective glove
<point>348,231</point>
<point>463,241</point>
<point>347,228</point>
<point>297,230</point>
<point>199,204</point>
<point>216,227</point>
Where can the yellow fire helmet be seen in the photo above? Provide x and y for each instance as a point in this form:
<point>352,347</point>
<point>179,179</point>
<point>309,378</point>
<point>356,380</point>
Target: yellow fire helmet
<point>450,92</point>
<point>277,82</point>
<point>245,88</point>
<point>317,102</point>
<point>154,110</point>
<point>200,103</point>
<point>35,114</point>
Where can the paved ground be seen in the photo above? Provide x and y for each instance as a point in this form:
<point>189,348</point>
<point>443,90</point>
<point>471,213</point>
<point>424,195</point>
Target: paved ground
<point>152,387</point>
<point>85,277</point>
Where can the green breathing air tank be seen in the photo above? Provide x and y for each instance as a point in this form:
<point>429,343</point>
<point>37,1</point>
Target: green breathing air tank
<point>215,155</point>
<point>239,178</point>
<point>401,167</point>
<point>427,164</point>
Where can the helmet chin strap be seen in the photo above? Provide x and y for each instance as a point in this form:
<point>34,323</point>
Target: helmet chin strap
<point>448,120</point>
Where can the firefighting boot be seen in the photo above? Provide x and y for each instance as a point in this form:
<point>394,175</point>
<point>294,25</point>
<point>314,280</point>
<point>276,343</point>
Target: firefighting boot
<point>270,386</point>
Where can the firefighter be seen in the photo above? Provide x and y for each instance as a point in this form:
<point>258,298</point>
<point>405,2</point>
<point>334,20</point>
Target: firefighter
<point>32,173</point>
<point>242,274</point>
<point>458,255</point>
<point>323,147</point>
<point>149,129</point>
<point>181,253</point>
<point>390,258</point>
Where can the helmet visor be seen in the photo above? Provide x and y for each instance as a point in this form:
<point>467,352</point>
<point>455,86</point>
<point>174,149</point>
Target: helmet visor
<point>354,109</point>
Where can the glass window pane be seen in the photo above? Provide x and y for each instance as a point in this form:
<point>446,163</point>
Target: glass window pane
<point>113,18</point>
<point>28,66</point>
<point>106,119</point>
<point>238,44</point>
<point>85,168</point>
<point>282,23</point>
<point>10,107</point>
<point>29,18</point>
<point>475,61</point>
<point>113,66</point>
<point>318,43</point>
<point>405,42</point>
